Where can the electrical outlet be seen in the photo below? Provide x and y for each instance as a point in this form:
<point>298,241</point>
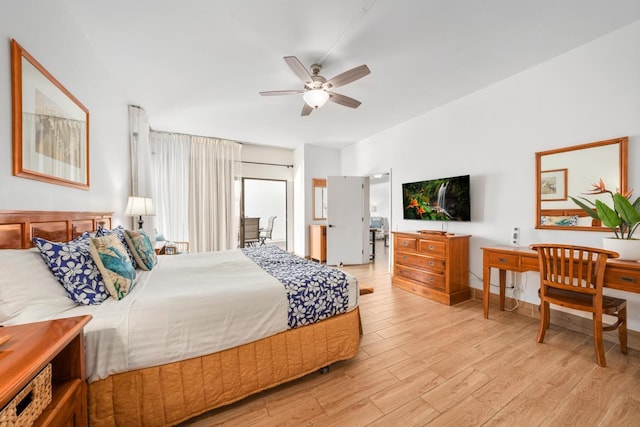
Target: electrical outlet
<point>515,236</point>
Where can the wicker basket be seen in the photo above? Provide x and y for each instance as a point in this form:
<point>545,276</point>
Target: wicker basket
<point>29,403</point>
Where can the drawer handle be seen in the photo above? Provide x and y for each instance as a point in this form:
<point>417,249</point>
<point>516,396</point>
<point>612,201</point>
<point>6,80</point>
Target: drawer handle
<point>629,279</point>
<point>432,263</point>
<point>431,279</point>
<point>502,260</point>
<point>405,243</point>
<point>404,257</point>
<point>431,247</point>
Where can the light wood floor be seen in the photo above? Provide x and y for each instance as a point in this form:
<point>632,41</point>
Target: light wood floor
<point>423,363</point>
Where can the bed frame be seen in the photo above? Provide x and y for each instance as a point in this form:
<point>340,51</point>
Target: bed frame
<point>169,394</point>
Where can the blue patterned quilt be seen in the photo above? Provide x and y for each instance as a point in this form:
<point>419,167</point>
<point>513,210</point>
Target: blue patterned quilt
<point>315,291</point>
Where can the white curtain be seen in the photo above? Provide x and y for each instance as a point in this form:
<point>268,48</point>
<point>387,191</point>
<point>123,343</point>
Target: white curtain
<point>214,209</point>
<point>196,193</point>
<point>170,164</point>
<point>142,183</point>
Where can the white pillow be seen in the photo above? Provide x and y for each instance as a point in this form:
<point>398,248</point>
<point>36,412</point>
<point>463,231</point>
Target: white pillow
<point>28,290</point>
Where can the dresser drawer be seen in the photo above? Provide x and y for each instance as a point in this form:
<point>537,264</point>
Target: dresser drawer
<point>430,279</point>
<point>434,265</point>
<point>433,248</point>
<point>622,279</point>
<point>406,243</point>
<point>504,261</point>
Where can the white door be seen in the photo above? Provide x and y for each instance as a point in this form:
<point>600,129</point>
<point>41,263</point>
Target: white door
<point>347,220</point>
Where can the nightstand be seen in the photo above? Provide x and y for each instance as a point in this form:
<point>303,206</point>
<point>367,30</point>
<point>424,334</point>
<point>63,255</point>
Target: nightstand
<point>29,351</point>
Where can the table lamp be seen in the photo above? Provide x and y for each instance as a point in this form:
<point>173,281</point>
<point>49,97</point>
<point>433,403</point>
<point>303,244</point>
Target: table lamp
<point>140,206</point>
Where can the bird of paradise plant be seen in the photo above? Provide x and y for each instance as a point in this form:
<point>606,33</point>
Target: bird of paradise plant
<point>623,219</point>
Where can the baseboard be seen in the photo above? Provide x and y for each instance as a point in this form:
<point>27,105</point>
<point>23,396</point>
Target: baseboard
<point>560,318</point>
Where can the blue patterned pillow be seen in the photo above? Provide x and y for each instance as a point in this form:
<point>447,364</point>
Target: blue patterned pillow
<point>118,231</point>
<point>111,257</point>
<point>71,264</point>
<point>142,249</point>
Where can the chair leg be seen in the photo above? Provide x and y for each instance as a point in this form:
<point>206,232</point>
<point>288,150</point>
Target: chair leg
<point>544,321</point>
<point>622,330</point>
<point>598,343</point>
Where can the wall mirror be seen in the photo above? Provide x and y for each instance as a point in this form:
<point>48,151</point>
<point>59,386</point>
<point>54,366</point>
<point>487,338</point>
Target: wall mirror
<point>571,171</point>
<point>319,201</point>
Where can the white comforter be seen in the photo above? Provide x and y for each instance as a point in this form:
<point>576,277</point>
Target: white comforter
<point>187,306</point>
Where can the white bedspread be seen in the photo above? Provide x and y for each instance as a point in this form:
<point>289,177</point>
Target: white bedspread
<point>187,306</point>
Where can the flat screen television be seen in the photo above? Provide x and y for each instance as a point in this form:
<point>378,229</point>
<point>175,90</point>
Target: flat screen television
<point>444,199</point>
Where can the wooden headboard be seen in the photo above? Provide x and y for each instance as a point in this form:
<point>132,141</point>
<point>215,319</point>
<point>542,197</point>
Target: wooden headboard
<point>17,228</point>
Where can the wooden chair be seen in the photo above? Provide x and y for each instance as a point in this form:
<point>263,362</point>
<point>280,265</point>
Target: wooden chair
<point>573,277</point>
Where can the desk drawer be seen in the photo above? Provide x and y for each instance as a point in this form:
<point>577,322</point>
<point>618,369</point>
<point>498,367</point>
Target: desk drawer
<point>623,279</point>
<point>425,277</point>
<point>406,243</point>
<point>433,248</point>
<point>528,263</point>
<point>504,261</point>
<point>435,265</point>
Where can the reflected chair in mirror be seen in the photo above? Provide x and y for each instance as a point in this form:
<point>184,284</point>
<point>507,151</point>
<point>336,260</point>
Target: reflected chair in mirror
<point>251,231</point>
<point>573,277</point>
<point>266,232</point>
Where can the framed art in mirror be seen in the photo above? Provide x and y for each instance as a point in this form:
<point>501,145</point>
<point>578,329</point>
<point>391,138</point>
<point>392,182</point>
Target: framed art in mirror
<point>572,171</point>
<point>50,126</point>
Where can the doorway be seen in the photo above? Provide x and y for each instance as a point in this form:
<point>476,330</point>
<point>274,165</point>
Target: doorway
<point>263,199</point>
<point>380,216</point>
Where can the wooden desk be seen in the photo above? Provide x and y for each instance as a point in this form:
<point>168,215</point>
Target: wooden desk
<point>621,275</point>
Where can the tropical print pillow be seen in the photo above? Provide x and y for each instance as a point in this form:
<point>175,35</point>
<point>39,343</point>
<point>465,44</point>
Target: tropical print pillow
<point>72,265</point>
<point>111,257</point>
<point>118,231</point>
<point>142,249</point>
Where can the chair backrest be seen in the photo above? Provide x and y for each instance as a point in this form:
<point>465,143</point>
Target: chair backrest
<point>269,228</point>
<point>572,268</point>
<point>251,229</point>
<point>375,222</point>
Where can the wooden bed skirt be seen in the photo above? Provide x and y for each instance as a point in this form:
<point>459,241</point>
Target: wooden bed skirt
<point>168,394</point>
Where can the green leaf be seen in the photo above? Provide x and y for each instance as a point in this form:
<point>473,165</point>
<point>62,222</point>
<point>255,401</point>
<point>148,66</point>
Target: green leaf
<point>627,212</point>
<point>593,214</point>
<point>608,216</point>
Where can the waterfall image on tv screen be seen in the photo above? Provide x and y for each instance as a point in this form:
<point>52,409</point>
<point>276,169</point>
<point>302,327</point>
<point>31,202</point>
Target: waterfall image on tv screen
<point>445,199</point>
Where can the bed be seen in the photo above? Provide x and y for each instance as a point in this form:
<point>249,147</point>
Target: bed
<point>135,384</point>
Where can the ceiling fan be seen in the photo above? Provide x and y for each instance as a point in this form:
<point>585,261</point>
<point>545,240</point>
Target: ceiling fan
<point>316,90</point>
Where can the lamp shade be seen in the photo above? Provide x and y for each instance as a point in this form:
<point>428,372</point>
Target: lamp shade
<point>140,206</point>
<point>315,98</point>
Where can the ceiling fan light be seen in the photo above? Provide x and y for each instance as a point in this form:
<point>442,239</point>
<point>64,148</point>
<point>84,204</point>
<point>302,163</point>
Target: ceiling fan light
<point>315,98</point>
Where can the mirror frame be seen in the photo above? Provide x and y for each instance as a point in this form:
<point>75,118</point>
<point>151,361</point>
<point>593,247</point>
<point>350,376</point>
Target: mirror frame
<point>623,169</point>
<point>318,183</point>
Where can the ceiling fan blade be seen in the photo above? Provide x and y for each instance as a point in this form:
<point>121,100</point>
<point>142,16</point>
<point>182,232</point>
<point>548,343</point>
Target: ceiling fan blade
<point>298,68</point>
<point>344,100</point>
<point>281,92</point>
<point>347,77</point>
<point>306,109</point>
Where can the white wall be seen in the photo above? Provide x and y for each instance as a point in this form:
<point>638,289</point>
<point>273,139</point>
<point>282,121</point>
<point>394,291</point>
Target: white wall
<point>51,36</point>
<point>589,94</point>
<point>319,162</point>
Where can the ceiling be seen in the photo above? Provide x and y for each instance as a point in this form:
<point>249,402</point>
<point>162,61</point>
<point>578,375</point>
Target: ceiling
<point>196,66</point>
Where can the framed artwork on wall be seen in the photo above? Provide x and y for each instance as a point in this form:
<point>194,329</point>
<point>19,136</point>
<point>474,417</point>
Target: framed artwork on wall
<point>553,184</point>
<point>50,126</point>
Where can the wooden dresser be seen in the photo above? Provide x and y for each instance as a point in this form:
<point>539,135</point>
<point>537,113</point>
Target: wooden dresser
<point>435,266</point>
<point>30,349</point>
<point>318,242</point>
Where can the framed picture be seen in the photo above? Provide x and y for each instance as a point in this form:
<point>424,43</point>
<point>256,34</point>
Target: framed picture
<point>553,184</point>
<point>50,126</point>
<point>169,250</point>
